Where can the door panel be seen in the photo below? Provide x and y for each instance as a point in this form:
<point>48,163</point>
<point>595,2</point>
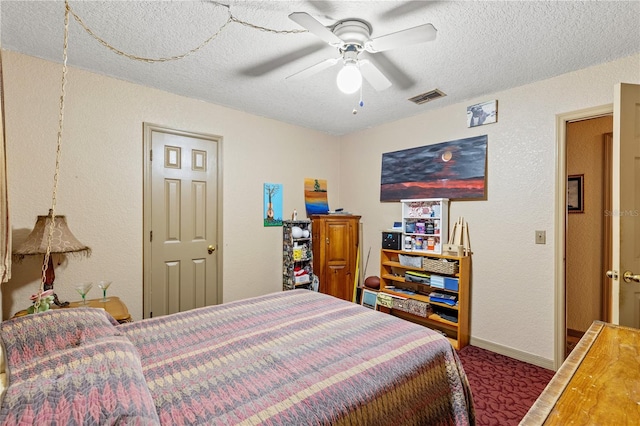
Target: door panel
<point>172,209</point>
<point>335,246</point>
<point>338,249</point>
<point>180,222</point>
<point>626,203</point>
<point>337,258</point>
<point>166,295</point>
<point>199,199</point>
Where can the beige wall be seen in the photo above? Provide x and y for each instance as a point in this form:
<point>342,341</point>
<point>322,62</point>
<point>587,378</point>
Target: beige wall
<point>585,230</point>
<point>101,177</point>
<point>512,296</point>
<point>512,278</point>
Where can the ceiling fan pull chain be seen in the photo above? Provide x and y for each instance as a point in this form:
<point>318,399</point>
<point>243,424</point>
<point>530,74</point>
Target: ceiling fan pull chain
<point>52,210</point>
<point>361,103</point>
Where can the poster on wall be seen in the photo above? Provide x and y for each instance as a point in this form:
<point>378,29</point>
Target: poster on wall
<point>481,114</point>
<point>315,196</point>
<point>272,204</point>
<point>454,170</point>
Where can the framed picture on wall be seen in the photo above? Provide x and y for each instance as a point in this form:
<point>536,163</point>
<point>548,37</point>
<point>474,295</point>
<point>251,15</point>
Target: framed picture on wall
<point>575,194</point>
<point>272,209</point>
<point>481,114</point>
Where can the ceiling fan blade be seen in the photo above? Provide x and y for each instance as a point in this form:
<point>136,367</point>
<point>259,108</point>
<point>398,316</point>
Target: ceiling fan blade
<point>313,69</point>
<point>270,65</point>
<point>406,8</point>
<point>314,26</point>
<point>398,77</point>
<point>419,34</point>
<point>373,75</point>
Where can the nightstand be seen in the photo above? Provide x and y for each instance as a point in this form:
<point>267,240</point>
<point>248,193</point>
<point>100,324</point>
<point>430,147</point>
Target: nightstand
<point>114,306</point>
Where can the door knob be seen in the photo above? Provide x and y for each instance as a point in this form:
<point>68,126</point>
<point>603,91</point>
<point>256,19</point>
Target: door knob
<point>612,274</point>
<point>211,249</point>
<point>629,276</point>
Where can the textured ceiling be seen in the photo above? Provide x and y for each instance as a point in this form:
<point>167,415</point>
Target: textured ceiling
<point>481,48</point>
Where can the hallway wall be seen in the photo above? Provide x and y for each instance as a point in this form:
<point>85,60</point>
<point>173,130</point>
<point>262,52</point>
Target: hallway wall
<point>584,264</point>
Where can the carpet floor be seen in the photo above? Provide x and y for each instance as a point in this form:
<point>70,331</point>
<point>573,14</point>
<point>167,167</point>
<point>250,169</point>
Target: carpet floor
<point>503,388</point>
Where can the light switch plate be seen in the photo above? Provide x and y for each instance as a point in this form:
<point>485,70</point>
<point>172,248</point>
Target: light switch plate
<point>541,237</point>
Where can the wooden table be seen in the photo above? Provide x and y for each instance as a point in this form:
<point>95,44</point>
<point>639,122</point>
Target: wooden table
<point>114,306</point>
<point>598,384</point>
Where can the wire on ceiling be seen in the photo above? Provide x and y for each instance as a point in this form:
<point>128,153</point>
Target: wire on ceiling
<point>231,18</point>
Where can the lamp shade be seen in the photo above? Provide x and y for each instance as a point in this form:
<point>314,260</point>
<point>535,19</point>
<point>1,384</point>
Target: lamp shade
<point>62,241</point>
<point>349,78</point>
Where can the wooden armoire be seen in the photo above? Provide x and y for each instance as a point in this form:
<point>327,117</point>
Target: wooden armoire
<point>335,253</point>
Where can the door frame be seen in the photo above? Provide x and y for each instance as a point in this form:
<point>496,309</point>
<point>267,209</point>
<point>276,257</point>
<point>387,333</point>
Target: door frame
<point>560,223</point>
<point>148,128</point>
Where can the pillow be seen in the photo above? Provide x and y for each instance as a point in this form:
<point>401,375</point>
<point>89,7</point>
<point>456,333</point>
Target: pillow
<point>72,366</point>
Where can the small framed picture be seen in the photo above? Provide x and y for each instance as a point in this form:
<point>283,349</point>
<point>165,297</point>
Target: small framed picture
<point>575,194</point>
<point>481,114</point>
<point>272,210</point>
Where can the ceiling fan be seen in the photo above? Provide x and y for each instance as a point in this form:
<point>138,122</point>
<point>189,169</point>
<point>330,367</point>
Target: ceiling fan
<point>351,37</point>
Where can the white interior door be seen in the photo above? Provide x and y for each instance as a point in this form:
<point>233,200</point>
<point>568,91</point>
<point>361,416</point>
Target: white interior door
<point>626,206</point>
<point>181,258</point>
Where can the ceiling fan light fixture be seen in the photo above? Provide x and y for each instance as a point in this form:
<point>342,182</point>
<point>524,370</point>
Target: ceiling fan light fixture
<point>349,79</point>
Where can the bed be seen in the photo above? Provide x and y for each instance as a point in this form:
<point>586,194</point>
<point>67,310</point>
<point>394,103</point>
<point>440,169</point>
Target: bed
<point>288,358</point>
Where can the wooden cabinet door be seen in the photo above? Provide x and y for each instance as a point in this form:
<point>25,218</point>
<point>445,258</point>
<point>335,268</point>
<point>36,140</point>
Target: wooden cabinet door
<point>338,260</point>
<point>335,250</point>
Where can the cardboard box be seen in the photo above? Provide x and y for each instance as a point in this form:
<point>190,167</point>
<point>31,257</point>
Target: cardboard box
<point>385,300</point>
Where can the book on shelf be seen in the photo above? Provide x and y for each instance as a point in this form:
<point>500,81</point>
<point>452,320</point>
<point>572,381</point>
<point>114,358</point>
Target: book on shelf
<point>399,290</point>
<point>447,299</point>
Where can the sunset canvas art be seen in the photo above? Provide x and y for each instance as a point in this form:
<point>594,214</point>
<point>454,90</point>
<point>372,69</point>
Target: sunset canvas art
<point>454,170</point>
<point>315,196</point>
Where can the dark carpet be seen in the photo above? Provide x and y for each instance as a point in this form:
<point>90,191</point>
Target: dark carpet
<point>503,388</point>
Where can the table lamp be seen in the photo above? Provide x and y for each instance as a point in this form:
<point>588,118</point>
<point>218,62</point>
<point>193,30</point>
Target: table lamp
<point>62,242</point>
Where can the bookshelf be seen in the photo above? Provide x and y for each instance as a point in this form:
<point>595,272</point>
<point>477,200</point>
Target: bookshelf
<point>448,278</point>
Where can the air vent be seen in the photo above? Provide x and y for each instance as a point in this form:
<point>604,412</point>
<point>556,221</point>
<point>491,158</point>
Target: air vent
<point>429,96</point>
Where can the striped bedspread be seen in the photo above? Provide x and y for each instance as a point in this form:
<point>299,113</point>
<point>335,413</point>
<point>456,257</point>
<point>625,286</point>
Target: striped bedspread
<point>298,358</point>
<point>71,367</point>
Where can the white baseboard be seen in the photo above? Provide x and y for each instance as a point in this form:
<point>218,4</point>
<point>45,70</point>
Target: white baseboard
<point>512,353</point>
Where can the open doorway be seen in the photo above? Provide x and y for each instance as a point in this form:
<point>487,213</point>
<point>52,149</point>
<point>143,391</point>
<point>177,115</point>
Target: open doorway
<point>624,290</point>
<point>588,228</point>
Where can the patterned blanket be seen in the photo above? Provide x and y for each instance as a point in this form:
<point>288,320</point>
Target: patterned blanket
<point>72,367</point>
<point>298,358</point>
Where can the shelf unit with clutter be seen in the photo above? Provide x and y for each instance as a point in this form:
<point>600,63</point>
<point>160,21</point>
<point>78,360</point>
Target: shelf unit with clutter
<point>428,289</point>
<point>425,224</point>
<point>297,255</point>
<point>425,269</point>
